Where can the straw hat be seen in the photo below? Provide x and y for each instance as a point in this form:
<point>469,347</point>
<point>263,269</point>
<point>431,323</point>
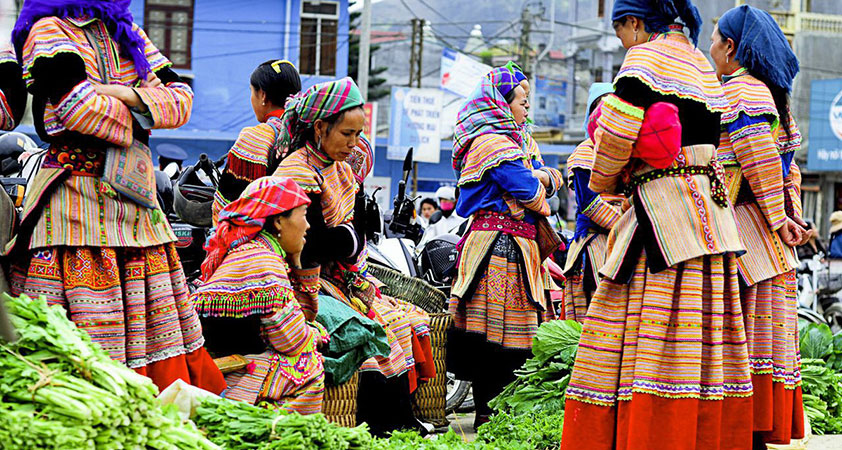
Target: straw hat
<point>835,221</point>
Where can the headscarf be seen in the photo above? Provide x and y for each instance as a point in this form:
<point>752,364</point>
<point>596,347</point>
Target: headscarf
<point>302,110</point>
<point>596,91</point>
<point>241,220</point>
<point>516,71</point>
<point>762,47</point>
<point>486,112</point>
<point>658,15</point>
<point>114,14</point>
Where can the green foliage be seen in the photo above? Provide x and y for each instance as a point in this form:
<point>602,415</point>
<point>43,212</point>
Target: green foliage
<point>816,341</point>
<point>59,390</point>
<point>533,430</point>
<point>822,391</point>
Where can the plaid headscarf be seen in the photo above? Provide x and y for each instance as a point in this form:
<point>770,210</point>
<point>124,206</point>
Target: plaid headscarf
<point>305,108</point>
<point>241,220</point>
<point>486,112</point>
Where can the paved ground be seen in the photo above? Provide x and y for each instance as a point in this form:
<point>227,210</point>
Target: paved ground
<point>463,425</point>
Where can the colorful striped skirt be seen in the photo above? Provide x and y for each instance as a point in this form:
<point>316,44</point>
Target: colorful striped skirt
<point>771,320</point>
<point>662,363</point>
<point>132,301</point>
<point>583,278</point>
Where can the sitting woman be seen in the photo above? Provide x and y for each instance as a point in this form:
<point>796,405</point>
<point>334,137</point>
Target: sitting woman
<point>252,296</point>
<point>325,125</point>
<point>255,153</point>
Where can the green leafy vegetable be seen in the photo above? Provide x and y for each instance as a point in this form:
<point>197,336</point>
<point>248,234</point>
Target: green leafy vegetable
<point>816,341</point>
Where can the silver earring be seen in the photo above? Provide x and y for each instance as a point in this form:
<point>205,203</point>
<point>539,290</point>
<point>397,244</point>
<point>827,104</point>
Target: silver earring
<point>318,142</point>
<point>264,103</point>
<point>727,59</point>
<point>635,35</point>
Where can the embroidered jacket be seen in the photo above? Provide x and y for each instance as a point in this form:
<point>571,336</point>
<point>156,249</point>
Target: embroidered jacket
<point>762,176</point>
<point>675,217</point>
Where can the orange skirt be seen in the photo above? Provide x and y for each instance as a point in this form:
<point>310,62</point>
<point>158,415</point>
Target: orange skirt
<point>132,302</point>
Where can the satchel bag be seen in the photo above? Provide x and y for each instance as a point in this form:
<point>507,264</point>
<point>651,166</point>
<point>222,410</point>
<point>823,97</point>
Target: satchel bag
<point>128,170</point>
<point>547,238</point>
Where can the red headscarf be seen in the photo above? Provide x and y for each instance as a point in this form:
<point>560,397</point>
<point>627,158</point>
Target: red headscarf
<point>243,219</point>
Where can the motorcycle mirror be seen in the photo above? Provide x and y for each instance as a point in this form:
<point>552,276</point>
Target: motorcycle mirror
<point>407,162</point>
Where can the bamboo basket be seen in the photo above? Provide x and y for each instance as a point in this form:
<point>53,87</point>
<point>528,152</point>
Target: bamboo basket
<point>430,397</point>
<point>340,402</point>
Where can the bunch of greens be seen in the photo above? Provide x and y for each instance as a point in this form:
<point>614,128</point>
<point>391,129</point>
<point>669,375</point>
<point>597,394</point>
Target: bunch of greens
<point>533,430</point>
<point>411,440</point>
<point>237,425</point>
<point>542,380</point>
<point>822,391</point>
<point>59,390</point>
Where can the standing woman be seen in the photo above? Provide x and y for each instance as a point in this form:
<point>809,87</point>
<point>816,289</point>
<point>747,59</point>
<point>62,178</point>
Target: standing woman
<point>759,140</point>
<point>324,127</point>
<point>595,216</point>
<point>662,361</point>
<point>498,295</point>
<point>252,294</point>
<point>256,154</point>
<point>98,82</point>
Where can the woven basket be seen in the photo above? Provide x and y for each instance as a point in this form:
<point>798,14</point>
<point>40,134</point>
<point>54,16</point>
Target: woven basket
<point>430,397</point>
<point>340,402</point>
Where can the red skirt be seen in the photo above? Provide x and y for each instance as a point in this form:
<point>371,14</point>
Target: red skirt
<point>771,317</point>
<point>662,363</point>
<point>133,302</point>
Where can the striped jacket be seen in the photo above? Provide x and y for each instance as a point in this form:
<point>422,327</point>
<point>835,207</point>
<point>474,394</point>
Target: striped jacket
<point>762,176</point>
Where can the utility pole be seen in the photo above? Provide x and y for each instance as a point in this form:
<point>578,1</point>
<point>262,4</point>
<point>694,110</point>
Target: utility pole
<point>365,49</point>
<point>415,74</point>
<point>525,30</point>
<point>534,84</point>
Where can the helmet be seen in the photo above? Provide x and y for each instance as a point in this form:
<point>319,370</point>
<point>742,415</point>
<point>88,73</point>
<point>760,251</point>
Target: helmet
<point>14,144</point>
<point>447,192</point>
<point>439,258</point>
<point>193,200</point>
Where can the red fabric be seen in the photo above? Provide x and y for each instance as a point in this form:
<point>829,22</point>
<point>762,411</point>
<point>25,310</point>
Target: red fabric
<point>196,368</point>
<point>276,113</point>
<point>659,140</point>
<point>652,422</point>
<point>778,412</point>
<point>424,368</point>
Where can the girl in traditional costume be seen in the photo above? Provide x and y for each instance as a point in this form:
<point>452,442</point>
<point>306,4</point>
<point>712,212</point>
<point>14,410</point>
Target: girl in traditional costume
<point>596,214</point>
<point>99,84</point>
<point>324,126</point>
<point>498,297</point>
<point>256,154</point>
<point>662,361</point>
<point>254,286</point>
<point>759,140</point>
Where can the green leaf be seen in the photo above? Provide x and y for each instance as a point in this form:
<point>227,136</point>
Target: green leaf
<point>817,341</point>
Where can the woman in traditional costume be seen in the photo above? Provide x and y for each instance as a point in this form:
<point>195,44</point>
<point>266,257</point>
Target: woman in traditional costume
<point>662,361</point>
<point>759,140</point>
<point>256,154</point>
<point>99,84</point>
<point>252,296</point>
<point>596,214</point>
<point>498,298</point>
<point>324,125</point>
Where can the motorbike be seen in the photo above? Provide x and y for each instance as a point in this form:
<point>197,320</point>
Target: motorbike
<point>818,292</point>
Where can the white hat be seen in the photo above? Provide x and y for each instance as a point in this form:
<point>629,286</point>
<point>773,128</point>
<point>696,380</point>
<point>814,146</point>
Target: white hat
<point>835,221</point>
<point>446,192</point>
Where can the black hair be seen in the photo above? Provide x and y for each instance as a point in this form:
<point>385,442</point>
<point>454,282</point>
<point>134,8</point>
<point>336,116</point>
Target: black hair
<point>595,103</point>
<point>431,202</point>
<point>779,94</point>
<point>620,22</point>
<point>269,225</point>
<point>278,84</point>
<point>510,97</point>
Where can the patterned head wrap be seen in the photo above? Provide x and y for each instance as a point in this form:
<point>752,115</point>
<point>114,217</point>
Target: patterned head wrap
<point>485,112</point>
<point>241,220</point>
<point>320,101</point>
<point>114,14</point>
<point>762,47</point>
<point>516,71</point>
<point>658,15</point>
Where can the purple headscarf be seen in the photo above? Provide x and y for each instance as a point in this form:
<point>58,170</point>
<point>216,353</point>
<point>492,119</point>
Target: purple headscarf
<point>114,14</point>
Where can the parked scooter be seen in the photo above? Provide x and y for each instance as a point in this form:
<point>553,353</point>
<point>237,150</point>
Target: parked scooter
<point>818,292</point>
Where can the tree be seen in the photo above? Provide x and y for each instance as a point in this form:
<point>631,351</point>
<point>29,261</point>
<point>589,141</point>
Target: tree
<point>376,90</point>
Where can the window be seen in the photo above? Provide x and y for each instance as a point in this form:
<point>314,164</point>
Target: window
<point>169,24</point>
<point>319,32</point>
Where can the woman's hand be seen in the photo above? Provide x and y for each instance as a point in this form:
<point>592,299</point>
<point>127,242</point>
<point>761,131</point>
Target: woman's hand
<point>542,176</point>
<point>125,94</point>
<point>809,231</point>
<point>791,233</point>
<point>151,81</point>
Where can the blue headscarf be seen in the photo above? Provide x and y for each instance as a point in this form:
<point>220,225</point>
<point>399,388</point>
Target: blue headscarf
<point>114,14</point>
<point>658,15</point>
<point>597,90</point>
<point>762,47</point>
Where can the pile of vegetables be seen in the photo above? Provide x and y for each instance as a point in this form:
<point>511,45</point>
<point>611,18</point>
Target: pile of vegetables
<point>821,377</point>
<point>238,425</point>
<point>543,379</point>
<point>59,390</point>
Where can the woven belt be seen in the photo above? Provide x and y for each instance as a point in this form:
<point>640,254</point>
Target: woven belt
<point>86,162</point>
<point>714,171</point>
<point>493,221</point>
